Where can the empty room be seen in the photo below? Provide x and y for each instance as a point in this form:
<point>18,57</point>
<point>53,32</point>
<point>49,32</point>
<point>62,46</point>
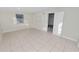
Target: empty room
<point>39,29</point>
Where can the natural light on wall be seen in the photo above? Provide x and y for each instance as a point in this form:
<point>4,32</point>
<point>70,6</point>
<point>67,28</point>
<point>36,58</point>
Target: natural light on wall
<point>60,28</point>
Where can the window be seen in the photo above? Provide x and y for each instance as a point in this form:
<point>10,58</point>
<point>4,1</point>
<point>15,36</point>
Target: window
<point>19,18</point>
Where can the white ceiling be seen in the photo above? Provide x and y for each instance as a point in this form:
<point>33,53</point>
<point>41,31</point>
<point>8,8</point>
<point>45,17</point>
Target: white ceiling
<point>24,9</point>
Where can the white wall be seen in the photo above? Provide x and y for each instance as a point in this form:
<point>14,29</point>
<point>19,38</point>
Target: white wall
<point>40,21</point>
<point>7,21</point>
<point>0,31</point>
<point>70,23</point>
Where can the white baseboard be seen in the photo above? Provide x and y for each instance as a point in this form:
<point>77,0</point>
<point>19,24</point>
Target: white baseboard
<point>12,30</point>
<point>69,38</point>
<point>72,40</point>
<point>66,37</point>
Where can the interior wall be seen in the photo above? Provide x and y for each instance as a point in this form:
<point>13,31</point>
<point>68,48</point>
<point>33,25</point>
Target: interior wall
<point>8,21</point>
<point>0,26</point>
<point>0,31</point>
<point>70,24</point>
<point>40,21</point>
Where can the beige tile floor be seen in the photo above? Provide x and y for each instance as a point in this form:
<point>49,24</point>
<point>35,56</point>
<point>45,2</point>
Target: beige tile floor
<point>32,40</point>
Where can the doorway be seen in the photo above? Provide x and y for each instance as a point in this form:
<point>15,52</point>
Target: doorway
<point>50,22</point>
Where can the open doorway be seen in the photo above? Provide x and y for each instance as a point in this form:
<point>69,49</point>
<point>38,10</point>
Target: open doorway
<point>50,22</point>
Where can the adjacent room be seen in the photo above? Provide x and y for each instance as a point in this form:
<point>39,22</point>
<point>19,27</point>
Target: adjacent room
<point>39,29</point>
